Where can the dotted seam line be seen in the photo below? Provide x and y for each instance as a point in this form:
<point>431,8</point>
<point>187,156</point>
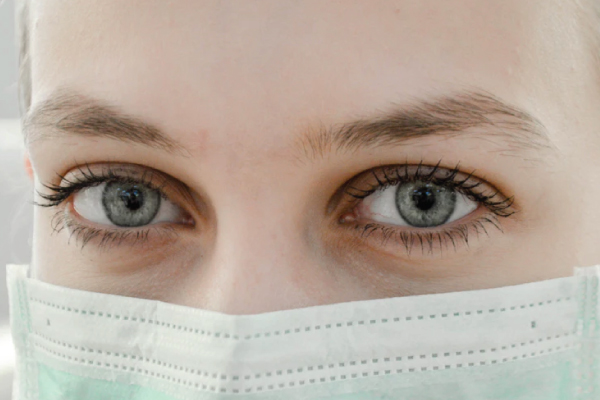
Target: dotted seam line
<point>297,370</point>
<point>282,332</point>
<point>331,378</point>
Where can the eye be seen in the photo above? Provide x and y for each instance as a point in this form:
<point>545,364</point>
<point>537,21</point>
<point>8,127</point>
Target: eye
<point>124,204</point>
<point>417,204</point>
<point>118,204</point>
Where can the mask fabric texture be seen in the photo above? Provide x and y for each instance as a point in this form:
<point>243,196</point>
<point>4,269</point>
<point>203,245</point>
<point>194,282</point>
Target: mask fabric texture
<point>531,341</point>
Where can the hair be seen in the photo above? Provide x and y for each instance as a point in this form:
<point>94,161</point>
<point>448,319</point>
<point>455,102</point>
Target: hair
<point>22,9</point>
<point>588,10</point>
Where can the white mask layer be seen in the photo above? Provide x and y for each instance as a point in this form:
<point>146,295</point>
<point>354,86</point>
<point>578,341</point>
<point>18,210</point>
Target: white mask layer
<point>532,341</point>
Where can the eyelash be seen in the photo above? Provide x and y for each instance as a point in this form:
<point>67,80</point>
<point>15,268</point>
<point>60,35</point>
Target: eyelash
<point>385,177</point>
<point>61,220</point>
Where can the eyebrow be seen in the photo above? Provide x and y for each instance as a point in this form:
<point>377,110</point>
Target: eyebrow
<point>462,113</point>
<point>67,112</point>
<point>447,116</point>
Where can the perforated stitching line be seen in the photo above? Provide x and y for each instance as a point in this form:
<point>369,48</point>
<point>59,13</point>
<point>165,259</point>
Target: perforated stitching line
<point>25,314</point>
<point>289,372</point>
<point>271,386</point>
<point>585,371</point>
<point>596,336</point>
<point>214,388</point>
<point>258,335</point>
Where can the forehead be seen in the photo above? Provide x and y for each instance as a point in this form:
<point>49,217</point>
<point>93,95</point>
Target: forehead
<point>260,67</point>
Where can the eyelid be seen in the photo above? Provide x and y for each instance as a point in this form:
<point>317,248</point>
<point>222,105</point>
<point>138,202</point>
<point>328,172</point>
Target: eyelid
<point>475,188</point>
<point>87,176</point>
<point>84,177</point>
<point>444,236</point>
<point>388,212</point>
<point>380,178</point>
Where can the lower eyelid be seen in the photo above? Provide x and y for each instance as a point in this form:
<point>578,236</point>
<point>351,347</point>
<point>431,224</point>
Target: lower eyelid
<point>387,196</point>
<point>478,212</point>
<point>169,212</point>
<point>424,240</point>
<point>104,237</point>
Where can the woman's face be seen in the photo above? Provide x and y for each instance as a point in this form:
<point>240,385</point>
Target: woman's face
<point>263,155</point>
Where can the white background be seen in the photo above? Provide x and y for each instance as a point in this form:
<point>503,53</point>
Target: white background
<point>15,187</point>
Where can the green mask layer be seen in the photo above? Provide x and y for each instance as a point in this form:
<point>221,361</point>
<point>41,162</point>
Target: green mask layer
<point>532,341</point>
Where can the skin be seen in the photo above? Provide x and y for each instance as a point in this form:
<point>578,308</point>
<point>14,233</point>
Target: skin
<point>240,85</point>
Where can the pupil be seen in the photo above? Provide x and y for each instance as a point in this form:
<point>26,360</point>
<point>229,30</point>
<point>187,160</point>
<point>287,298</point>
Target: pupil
<point>423,198</point>
<point>133,198</point>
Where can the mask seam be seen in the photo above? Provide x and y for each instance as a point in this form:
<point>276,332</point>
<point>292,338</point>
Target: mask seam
<point>288,372</point>
<point>31,386</point>
<point>586,386</point>
<point>594,337</point>
<point>282,331</point>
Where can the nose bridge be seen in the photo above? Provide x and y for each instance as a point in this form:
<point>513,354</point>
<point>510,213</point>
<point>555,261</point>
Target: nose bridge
<point>258,264</point>
<point>260,259</point>
<point>259,234</point>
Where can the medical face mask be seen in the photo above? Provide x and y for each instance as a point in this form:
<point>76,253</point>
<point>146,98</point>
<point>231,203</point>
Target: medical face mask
<point>531,341</point>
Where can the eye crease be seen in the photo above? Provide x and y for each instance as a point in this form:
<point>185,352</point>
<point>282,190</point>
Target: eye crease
<point>420,205</point>
<point>124,206</point>
<point>416,204</point>
<point>408,204</point>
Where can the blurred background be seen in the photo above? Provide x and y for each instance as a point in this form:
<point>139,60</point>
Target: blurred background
<point>15,188</point>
